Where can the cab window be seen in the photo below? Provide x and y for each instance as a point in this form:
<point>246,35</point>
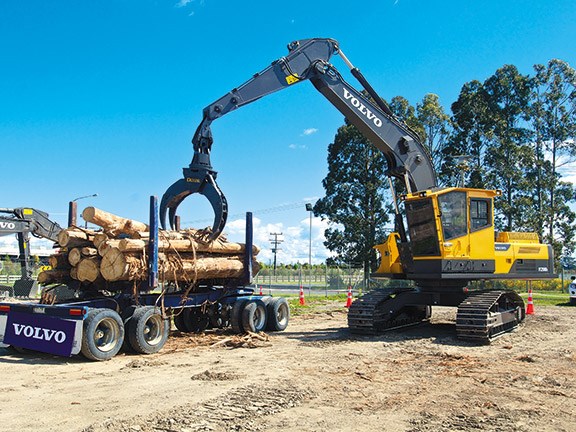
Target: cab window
<point>453,214</point>
<point>479,214</point>
<point>422,224</point>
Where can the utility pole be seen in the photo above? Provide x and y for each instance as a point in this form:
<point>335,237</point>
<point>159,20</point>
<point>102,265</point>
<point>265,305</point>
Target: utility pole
<point>275,242</point>
<point>310,210</point>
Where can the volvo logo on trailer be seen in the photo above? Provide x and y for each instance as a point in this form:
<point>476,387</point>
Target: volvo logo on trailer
<point>39,333</point>
<point>362,108</point>
<point>7,225</point>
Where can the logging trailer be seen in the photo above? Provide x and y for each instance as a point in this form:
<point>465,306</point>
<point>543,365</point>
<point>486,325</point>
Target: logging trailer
<point>139,320</point>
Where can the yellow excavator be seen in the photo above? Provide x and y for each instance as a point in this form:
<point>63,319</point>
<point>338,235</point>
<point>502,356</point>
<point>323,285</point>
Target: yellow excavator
<point>450,238</point>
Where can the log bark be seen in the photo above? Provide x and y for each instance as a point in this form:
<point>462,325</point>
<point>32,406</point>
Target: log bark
<point>112,223</point>
<point>88,251</point>
<point>73,237</point>
<point>113,266</point>
<point>117,266</point>
<point>99,238</point>
<point>88,269</point>
<point>166,234</point>
<point>74,256</point>
<point>188,245</point>
<point>53,276</point>
<point>108,244</point>
<point>74,273</point>
<point>59,261</point>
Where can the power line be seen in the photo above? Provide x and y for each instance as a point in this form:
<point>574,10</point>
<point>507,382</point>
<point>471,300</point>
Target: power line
<point>277,209</point>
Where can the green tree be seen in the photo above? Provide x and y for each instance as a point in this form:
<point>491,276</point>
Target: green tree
<point>9,267</point>
<point>353,204</point>
<point>508,152</point>
<point>469,139</point>
<point>407,113</point>
<point>554,125</point>
<point>436,125</point>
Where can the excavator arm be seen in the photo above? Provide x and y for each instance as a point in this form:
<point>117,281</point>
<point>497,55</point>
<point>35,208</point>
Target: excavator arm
<point>307,59</point>
<point>23,222</point>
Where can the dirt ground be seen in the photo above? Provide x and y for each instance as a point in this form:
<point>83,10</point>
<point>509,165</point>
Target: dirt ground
<point>315,376</point>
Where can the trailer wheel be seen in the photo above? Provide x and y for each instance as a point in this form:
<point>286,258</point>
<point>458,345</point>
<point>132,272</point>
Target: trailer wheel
<point>148,331</point>
<point>195,321</point>
<point>254,316</point>
<point>179,321</point>
<point>236,316</point>
<point>278,314</point>
<point>103,334</point>
<point>216,317</point>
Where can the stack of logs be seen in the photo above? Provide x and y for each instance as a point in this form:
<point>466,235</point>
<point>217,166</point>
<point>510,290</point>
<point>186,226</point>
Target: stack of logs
<point>118,252</point>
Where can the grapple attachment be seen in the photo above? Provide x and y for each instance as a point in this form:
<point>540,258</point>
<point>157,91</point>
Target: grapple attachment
<point>203,182</point>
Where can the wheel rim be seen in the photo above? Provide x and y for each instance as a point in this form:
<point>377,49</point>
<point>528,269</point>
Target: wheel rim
<point>153,329</point>
<point>259,317</point>
<point>282,314</point>
<point>106,335</point>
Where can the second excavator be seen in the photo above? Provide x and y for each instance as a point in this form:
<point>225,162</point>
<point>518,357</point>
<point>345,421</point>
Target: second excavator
<point>446,239</point>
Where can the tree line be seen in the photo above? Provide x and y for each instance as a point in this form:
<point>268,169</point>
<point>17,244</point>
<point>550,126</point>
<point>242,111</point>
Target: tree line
<point>511,132</point>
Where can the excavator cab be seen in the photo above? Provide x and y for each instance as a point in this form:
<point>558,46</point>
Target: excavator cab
<point>452,236</point>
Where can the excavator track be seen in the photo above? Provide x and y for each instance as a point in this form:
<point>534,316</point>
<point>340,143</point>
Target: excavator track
<point>376,312</point>
<point>485,316</point>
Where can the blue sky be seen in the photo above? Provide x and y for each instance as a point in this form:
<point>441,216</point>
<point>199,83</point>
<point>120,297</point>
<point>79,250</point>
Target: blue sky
<point>104,96</point>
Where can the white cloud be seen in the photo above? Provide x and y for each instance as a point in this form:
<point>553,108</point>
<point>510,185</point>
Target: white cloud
<point>309,131</point>
<point>297,147</point>
<point>566,167</point>
<point>9,245</point>
<point>183,3</point>
<point>296,240</point>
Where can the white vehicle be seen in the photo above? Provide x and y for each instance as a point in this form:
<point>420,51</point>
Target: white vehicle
<point>572,291</point>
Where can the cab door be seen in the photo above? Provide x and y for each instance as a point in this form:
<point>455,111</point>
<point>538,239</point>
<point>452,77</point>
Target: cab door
<point>453,208</point>
<point>481,227</point>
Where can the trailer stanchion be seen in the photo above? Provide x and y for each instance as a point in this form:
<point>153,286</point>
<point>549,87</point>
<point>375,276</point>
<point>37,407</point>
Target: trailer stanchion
<point>248,254</point>
<point>153,244</point>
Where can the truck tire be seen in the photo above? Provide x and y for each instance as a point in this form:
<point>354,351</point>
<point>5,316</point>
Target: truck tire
<point>147,330</point>
<point>126,317</point>
<point>236,316</point>
<point>278,314</point>
<point>103,334</point>
<point>254,316</point>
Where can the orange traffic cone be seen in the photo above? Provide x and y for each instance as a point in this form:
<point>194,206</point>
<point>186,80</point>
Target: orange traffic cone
<point>302,302</point>
<point>349,297</point>
<point>530,306</point>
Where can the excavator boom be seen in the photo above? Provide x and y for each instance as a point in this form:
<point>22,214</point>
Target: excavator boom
<point>24,221</point>
<point>307,59</point>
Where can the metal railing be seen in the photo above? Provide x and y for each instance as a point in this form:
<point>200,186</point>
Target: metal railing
<point>9,278</point>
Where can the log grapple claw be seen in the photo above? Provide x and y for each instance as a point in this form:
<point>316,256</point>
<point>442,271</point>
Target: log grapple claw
<point>203,182</point>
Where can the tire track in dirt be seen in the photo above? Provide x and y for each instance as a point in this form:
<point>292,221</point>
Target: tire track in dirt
<point>242,408</point>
